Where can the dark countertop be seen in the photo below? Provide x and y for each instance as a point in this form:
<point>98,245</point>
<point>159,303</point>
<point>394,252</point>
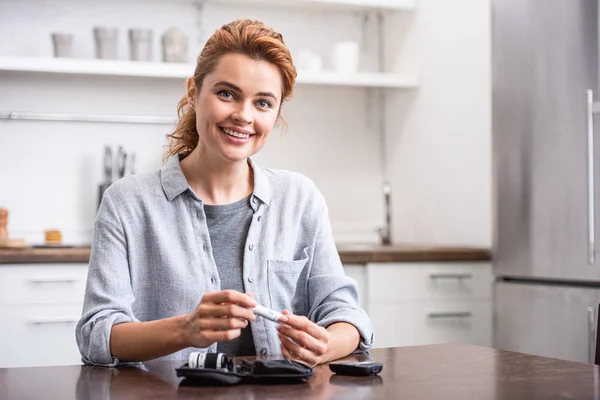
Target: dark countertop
<point>360,253</point>
<point>421,372</point>
<point>349,253</point>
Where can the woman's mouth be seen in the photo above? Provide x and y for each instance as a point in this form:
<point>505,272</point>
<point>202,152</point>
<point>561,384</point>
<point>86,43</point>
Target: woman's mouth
<point>234,133</point>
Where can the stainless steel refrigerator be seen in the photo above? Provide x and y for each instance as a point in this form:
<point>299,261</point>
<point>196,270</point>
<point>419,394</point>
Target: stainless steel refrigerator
<point>546,199</point>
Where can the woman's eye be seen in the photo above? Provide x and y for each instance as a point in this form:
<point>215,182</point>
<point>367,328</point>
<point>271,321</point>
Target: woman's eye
<point>225,94</point>
<point>263,104</point>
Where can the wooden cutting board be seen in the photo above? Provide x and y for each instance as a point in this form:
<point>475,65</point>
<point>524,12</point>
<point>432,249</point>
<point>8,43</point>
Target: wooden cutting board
<point>13,244</point>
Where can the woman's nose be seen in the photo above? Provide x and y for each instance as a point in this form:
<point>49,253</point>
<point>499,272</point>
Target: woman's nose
<point>242,115</point>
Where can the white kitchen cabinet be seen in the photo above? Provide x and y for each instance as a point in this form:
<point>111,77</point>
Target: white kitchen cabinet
<point>40,305</point>
<point>423,303</point>
<point>358,272</point>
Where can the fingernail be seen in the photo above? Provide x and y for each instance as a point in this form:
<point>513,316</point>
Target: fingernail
<point>283,319</point>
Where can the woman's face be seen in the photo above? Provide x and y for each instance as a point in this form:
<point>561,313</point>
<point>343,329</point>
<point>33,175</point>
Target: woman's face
<point>237,106</point>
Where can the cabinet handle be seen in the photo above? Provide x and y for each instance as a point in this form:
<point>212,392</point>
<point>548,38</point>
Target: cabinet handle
<point>591,334</point>
<point>54,320</point>
<point>590,175</point>
<point>54,280</point>
<point>459,314</point>
<point>450,276</point>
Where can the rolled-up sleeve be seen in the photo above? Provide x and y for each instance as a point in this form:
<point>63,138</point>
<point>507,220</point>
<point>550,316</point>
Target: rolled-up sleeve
<point>333,297</point>
<point>108,296</point>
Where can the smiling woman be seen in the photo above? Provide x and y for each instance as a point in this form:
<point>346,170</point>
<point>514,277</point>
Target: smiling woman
<point>182,255</point>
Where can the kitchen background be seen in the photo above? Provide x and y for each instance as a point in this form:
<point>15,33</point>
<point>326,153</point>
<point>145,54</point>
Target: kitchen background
<point>437,147</point>
<point>419,120</point>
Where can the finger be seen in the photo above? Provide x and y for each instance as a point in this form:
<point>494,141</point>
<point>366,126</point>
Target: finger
<point>226,310</point>
<point>299,352</point>
<point>302,323</point>
<point>231,296</point>
<point>303,339</point>
<point>289,356</point>
<point>221,336</point>
<point>286,353</point>
<point>249,294</point>
<point>218,323</point>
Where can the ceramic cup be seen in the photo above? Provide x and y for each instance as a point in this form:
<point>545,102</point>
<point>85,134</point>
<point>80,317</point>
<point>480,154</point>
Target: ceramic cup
<point>63,44</point>
<point>140,44</point>
<point>106,42</point>
<point>175,46</point>
<point>345,57</point>
<point>308,61</point>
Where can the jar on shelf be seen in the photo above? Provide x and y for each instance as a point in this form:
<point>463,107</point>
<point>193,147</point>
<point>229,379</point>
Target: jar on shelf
<point>140,44</point>
<point>106,42</point>
<point>175,46</point>
<point>63,44</point>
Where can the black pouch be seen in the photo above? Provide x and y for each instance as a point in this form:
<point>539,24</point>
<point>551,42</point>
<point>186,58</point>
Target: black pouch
<point>232,372</point>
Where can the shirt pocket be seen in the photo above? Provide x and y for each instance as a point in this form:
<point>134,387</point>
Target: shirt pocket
<point>285,278</point>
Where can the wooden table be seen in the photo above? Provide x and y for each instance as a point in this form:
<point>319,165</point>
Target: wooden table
<point>420,372</point>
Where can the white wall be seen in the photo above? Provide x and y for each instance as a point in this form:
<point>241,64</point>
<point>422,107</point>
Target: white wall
<point>437,143</point>
<point>439,137</point>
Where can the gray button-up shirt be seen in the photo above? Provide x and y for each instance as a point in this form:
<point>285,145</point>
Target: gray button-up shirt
<point>152,258</point>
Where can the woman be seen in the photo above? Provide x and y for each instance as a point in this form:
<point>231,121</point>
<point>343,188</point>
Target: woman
<point>180,256</point>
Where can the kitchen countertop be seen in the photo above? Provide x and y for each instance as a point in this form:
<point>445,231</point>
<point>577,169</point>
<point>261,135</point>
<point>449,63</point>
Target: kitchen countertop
<point>349,253</point>
<point>446,371</point>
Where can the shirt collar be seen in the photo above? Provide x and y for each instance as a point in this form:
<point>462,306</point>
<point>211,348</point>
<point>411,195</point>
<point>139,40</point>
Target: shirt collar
<point>174,183</point>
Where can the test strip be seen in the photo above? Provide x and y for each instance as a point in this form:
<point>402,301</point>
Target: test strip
<point>267,313</point>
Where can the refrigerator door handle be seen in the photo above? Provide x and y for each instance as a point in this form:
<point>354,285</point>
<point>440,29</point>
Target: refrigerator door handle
<point>591,334</point>
<point>590,185</point>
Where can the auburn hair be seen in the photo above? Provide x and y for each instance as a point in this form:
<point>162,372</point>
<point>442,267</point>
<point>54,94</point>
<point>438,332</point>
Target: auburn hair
<point>251,38</point>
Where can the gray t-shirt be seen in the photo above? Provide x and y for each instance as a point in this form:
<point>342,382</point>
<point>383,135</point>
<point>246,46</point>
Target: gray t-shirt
<point>228,228</point>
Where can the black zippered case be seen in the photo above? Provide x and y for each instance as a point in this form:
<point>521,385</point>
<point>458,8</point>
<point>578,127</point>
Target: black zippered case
<point>256,372</point>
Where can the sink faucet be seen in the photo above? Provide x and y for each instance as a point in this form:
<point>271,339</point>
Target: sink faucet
<point>385,233</point>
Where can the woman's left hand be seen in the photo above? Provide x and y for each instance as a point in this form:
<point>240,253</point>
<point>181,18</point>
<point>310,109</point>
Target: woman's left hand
<point>302,340</point>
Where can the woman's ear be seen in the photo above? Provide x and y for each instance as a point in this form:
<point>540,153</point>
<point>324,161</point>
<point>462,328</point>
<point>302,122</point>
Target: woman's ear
<point>191,91</point>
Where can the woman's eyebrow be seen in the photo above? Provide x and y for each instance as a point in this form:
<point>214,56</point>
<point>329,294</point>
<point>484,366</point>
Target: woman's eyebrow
<point>236,88</point>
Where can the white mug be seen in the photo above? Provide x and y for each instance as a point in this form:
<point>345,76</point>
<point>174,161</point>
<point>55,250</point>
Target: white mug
<point>345,57</point>
<point>308,61</point>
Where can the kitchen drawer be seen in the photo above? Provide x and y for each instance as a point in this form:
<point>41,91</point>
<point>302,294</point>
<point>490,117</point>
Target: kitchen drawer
<point>37,335</point>
<point>429,322</point>
<point>42,284</point>
<point>390,282</point>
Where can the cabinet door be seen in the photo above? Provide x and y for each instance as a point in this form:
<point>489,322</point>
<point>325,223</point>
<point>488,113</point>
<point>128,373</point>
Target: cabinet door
<point>358,272</point>
<point>38,335</point>
<point>550,321</point>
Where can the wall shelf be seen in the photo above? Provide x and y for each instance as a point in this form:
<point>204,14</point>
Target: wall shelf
<point>181,71</point>
<point>329,4</point>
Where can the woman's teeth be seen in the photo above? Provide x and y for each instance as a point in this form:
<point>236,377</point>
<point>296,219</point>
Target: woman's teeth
<point>235,134</point>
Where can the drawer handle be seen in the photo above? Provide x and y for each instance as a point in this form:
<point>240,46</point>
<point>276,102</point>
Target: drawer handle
<point>54,280</point>
<point>459,314</point>
<point>54,320</point>
<point>451,276</point>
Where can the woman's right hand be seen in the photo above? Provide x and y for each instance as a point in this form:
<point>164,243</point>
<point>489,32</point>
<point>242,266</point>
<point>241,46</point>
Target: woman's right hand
<point>219,317</point>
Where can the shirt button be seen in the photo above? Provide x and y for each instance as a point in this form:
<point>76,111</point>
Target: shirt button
<point>213,280</point>
<point>259,218</point>
<point>251,247</point>
<point>251,279</point>
<point>263,352</point>
<point>254,199</point>
<point>205,248</point>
